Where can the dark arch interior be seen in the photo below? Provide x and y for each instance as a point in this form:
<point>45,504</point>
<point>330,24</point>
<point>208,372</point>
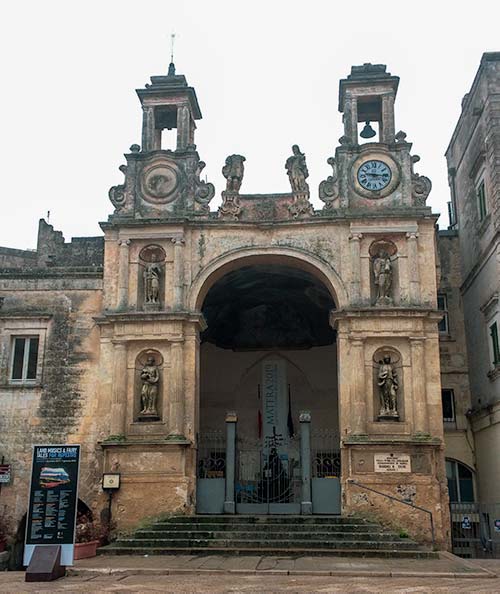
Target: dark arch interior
<point>268,306</point>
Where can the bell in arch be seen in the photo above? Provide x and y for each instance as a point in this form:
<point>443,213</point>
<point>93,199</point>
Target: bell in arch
<point>368,131</point>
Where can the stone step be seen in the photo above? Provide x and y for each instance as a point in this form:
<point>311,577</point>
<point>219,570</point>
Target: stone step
<point>357,552</point>
<point>264,519</point>
<point>273,535</point>
<point>283,543</point>
<point>276,527</point>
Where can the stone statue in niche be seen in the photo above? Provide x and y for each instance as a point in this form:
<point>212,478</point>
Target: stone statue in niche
<point>387,381</point>
<point>152,274</point>
<point>296,169</point>
<point>382,273</point>
<point>233,171</point>
<point>150,377</point>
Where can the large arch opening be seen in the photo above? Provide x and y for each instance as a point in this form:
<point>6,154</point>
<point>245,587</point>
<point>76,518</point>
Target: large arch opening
<point>268,353</point>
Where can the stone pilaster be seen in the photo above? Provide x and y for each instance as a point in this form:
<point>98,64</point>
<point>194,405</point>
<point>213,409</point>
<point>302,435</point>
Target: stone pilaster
<point>176,417</point>
<point>178,272</point>
<point>183,127</point>
<point>413,271</point>
<point>119,393</point>
<point>355,239</point>
<point>419,396</point>
<point>388,130</point>
<point>351,119</point>
<point>148,128</point>
<point>122,297</point>
<point>358,395</point>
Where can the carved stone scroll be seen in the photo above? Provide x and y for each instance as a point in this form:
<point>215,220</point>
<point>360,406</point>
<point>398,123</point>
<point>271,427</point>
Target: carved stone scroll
<point>329,188</point>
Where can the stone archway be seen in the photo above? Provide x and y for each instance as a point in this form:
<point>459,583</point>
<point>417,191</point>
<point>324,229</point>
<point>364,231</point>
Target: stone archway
<point>265,309</point>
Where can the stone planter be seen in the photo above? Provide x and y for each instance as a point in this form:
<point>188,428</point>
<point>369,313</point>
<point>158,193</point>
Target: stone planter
<point>84,550</point>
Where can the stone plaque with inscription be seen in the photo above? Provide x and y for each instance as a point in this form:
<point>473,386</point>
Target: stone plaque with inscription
<point>392,462</point>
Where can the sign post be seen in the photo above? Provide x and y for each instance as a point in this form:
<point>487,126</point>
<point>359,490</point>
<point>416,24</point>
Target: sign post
<point>53,500</point>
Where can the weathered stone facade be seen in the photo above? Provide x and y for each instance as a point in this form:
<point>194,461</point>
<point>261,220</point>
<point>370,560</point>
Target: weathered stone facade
<point>369,257</point>
<point>473,158</point>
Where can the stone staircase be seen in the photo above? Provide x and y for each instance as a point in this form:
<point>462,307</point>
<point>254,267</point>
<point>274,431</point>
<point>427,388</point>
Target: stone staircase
<point>267,535</point>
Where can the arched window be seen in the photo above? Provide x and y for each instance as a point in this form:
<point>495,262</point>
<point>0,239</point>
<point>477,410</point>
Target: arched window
<point>460,482</point>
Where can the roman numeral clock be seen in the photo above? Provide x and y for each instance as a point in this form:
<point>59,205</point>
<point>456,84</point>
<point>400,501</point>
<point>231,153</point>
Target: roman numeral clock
<point>374,174</point>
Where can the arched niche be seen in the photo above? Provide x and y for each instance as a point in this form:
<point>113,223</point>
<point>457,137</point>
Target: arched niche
<point>382,358</point>
<point>148,386</point>
<point>383,256</point>
<point>151,281</point>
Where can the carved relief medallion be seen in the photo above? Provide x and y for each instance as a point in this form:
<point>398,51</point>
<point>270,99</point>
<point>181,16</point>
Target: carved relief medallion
<point>159,183</point>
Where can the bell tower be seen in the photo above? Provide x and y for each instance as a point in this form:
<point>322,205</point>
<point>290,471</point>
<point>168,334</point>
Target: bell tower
<point>368,95</point>
<point>164,183</point>
<point>168,103</point>
<point>372,173</point>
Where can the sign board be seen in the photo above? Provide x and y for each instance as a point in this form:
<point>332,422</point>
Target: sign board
<point>392,462</point>
<point>53,500</point>
<point>5,474</point>
<point>466,525</point>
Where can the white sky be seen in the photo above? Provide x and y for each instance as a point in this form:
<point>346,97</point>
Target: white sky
<point>266,75</point>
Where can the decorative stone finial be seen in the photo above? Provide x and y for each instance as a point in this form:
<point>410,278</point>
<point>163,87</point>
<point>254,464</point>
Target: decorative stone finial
<point>171,69</point>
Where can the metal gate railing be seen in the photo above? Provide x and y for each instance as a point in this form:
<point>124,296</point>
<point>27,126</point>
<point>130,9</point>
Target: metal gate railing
<point>267,479</point>
<point>475,530</point>
<point>211,472</point>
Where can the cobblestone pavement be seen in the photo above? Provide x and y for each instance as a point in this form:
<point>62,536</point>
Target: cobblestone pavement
<point>262,581</point>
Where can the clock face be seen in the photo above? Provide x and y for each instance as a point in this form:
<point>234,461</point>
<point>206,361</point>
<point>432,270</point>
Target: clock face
<point>374,175</point>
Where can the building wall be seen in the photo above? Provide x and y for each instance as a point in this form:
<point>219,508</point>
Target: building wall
<point>474,154</point>
<point>459,438</point>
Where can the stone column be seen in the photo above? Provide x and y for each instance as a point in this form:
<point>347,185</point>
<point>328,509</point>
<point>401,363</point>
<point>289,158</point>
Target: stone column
<point>388,126</point>
<point>176,417</point>
<point>178,273</point>
<point>413,271</point>
<point>122,297</point>
<point>148,128</point>
<point>305,461</point>
<point>119,393</point>
<point>183,134</point>
<point>351,119</point>
<point>358,397</point>
<point>419,395</point>
<point>355,240</point>
<point>229,503</point>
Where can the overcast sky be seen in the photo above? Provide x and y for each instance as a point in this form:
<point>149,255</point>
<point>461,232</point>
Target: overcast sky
<point>266,74</point>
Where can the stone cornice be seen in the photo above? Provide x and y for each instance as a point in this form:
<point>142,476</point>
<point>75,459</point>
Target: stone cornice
<point>149,316</point>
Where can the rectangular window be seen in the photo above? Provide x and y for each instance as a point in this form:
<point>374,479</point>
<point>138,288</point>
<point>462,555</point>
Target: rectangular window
<point>495,347</point>
<point>481,200</point>
<point>442,303</point>
<point>24,358</point>
<point>448,401</point>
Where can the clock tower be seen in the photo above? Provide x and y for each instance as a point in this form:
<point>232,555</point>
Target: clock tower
<point>374,174</point>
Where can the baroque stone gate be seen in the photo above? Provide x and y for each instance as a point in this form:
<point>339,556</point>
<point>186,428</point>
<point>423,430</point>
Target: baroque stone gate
<point>356,281</point>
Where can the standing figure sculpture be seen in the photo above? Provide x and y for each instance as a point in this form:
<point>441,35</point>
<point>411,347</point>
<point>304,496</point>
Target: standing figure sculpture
<point>387,380</point>
<point>152,273</point>
<point>296,169</point>
<point>150,376</point>
<point>233,171</point>
<point>382,272</point>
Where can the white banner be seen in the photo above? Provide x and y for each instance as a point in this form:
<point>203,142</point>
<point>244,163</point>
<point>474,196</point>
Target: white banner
<point>274,401</point>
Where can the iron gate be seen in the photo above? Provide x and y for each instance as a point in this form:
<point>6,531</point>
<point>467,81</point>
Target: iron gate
<point>325,471</point>
<point>268,479</point>
<point>211,472</point>
<point>475,530</point>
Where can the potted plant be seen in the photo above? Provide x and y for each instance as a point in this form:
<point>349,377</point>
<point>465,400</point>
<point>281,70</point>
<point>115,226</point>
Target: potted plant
<point>87,537</point>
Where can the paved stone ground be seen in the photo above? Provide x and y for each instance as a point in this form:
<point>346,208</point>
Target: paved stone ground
<point>216,575</point>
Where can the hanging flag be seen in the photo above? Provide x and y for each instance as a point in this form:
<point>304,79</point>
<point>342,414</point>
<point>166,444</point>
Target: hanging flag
<point>289,422</point>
